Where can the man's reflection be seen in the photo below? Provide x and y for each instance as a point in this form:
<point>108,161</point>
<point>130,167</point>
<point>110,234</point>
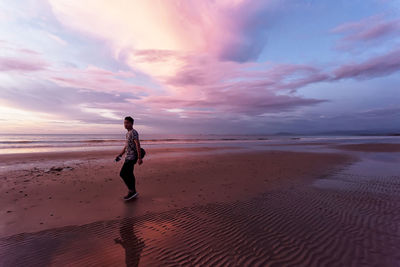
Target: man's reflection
<point>130,242</point>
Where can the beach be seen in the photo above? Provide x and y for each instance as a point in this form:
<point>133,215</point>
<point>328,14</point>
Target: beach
<point>270,129</point>
<point>307,204</point>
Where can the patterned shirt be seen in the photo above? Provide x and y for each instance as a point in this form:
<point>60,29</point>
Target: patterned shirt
<point>131,152</point>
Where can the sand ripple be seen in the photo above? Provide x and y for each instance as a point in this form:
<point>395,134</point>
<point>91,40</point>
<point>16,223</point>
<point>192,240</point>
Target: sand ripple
<point>342,220</point>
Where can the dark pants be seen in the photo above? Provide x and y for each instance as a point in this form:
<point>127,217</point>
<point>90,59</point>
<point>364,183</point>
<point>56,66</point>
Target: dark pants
<point>127,175</point>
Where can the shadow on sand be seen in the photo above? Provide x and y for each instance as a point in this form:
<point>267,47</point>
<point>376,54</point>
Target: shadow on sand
<point>128,239</point>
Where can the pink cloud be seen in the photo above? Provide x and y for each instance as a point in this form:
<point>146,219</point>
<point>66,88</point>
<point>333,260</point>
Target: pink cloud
<point>95,79</point>
<point>17,59</point>
<point>21,65</point>
<point>366,30</point>
<point>224,87</point>
<point>233,102</point>
<point>203,73</point>
<point>203,63</point>
<point>206,87</point>
<point>374,67</point>
<point>149,35</point>
<point>91,78</point>
<point>28,51</point>
<point>201,57</point>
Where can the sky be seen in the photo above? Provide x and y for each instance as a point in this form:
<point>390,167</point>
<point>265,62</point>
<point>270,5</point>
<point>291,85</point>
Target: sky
<point>199,67</point>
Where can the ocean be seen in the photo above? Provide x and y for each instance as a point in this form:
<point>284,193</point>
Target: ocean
<point>31,143</point>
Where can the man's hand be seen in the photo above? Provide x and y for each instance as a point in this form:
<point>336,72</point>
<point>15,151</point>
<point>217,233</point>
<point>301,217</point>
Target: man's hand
<point>117,158</point>
<point>140,161</point>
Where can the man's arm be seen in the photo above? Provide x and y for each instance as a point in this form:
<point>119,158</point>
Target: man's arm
<point>123,151</point>
<point>137,143</point>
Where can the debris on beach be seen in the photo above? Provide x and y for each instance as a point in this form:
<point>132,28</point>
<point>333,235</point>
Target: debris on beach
<point>58,169</point>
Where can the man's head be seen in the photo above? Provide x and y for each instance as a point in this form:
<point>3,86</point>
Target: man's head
<point>128,122</point>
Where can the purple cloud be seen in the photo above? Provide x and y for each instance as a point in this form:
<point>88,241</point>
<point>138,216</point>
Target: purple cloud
<point>66,103</point>
<point>21,65</point>
<point>368,30</point>
<point>205,86</point>
<point>374,67</point>
<point>381,112</point>
<point>95,79</point>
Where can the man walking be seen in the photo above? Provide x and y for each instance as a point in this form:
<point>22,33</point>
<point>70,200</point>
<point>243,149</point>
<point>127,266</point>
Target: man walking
<point>132,150</point>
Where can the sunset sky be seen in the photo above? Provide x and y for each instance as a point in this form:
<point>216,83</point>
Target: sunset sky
<point>199,66</point>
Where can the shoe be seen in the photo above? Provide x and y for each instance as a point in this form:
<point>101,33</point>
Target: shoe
<point>131,195</point>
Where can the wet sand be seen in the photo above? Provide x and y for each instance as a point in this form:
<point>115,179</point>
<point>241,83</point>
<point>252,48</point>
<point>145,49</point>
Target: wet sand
<point>382,147</point>
<point>84,191</point>
<point>269,208</point>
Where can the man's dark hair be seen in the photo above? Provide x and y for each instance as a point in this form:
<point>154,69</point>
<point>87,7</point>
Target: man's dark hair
<point>129,118</point>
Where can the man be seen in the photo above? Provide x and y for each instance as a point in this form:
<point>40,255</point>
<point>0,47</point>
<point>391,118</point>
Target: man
<point>132,149</point>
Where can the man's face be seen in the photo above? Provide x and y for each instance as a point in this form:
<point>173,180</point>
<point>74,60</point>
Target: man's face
<point>127,124</point>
